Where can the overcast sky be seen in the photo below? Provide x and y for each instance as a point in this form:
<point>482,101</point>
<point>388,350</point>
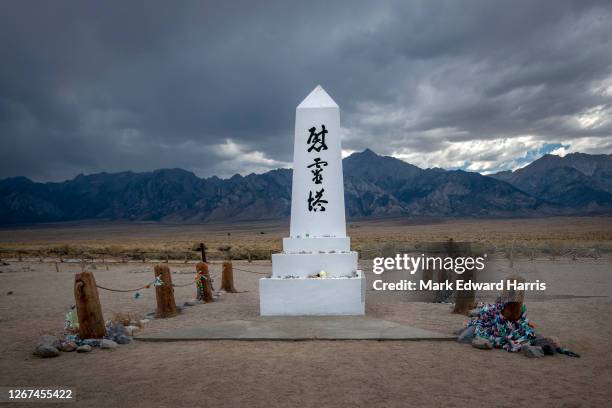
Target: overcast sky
<point>91,86</point>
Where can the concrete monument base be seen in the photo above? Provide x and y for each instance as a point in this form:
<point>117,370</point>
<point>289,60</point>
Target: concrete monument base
<point>312,296</point>
<point>337,265</point>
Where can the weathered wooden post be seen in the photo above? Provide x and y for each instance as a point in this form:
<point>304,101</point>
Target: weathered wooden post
<point>465,300</point>
<point>204,292</point>
<point>166,305</point>
<point>203,251</point>
<point>227,274</point>
<point>227,277</point>
<point>513,299</point>
<point>89,311</point>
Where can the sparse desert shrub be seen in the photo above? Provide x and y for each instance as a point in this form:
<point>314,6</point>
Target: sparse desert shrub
<point>114,250</point>
<point>125,318</point>
<point>63,250</point>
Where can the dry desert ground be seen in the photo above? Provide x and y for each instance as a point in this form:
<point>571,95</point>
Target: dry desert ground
<point>577,307</point>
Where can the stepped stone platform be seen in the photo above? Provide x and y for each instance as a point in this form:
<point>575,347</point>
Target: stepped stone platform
<point>299,328</point>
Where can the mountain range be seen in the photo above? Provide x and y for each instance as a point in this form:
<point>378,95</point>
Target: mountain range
<point>375,186</point>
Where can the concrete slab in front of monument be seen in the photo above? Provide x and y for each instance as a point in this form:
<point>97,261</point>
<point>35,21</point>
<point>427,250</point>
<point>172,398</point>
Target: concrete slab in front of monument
<point>299,328</point>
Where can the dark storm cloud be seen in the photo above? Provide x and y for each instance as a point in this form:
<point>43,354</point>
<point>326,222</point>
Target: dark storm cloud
<point>212,86</point>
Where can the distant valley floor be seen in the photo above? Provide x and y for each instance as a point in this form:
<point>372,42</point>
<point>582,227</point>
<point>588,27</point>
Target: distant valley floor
<point>551,235</point>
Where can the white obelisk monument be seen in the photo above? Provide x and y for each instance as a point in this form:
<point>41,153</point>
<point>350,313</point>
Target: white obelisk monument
<point>317,273</point>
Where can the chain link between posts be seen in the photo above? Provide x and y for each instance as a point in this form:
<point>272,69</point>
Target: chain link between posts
<point>147,286</point>
<point>244,270</point>
<point>197,277</point>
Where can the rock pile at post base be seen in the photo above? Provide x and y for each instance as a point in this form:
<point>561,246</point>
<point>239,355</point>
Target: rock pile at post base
<point>116,333</point>
<point>490,324</point>
<point>489,329</point>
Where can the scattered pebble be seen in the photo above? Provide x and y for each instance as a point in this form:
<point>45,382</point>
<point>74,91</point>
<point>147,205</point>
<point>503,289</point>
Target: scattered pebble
<point>108,344</point>
<point>46,351</point>
<point>68,346</point>
<point>114,330</point>
<point>85,348</point>
<point>481,343</point>
<point>91,342</point>
<point>49,340</point>
<point>553,341</point>
<point>549,344</point>
<point>123,339</point>
<point>548,350</point>
<point>466,335</point>
<point>10,292</point>
<point>532,351</point>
